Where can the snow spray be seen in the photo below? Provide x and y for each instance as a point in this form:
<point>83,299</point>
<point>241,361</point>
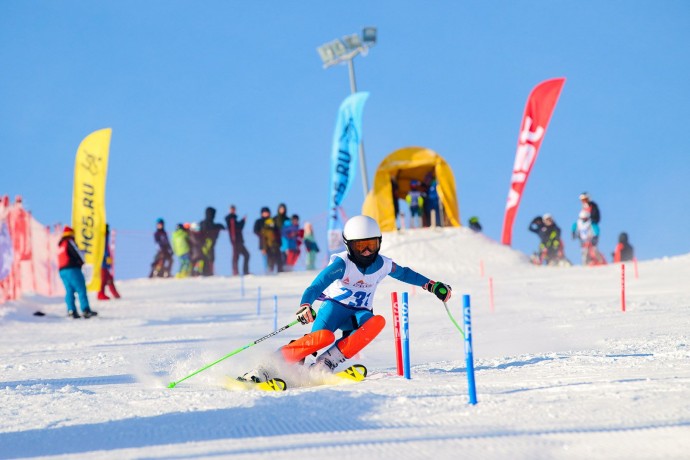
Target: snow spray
<point>242,286</point>
<point>635,265</point>
<point>405,320</point>
<point>275,312</point>
<point>481,268</point>
<point>396,333</point>
<point>258,301</point>
<point>469,357</point>
<point>623,287</point>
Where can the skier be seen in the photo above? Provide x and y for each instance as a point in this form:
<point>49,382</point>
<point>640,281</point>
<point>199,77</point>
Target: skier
<point>70,261</point>
<point>348,285</point>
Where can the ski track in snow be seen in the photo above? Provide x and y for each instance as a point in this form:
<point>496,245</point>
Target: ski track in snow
<point>560,371</point>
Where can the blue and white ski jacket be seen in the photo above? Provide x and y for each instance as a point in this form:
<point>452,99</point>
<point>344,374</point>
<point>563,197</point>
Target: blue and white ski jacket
<point>342,281</point>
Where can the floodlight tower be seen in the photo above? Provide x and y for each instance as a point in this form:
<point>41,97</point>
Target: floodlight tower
<point>345,50</point>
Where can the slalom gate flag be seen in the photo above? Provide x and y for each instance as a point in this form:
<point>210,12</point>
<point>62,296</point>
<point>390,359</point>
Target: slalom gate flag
<point>346,140</point>
<point>538,110</point>
<point>88,202</point>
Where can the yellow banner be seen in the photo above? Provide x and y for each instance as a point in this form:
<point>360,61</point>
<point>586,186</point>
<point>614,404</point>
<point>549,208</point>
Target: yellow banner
<point>88,202</point>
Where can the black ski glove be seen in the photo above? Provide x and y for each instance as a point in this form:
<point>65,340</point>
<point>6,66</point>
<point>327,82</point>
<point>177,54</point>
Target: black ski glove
<point>440,290</point>
<point>306,314</point>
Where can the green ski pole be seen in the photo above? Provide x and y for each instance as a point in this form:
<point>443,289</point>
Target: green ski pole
<point>173,384</point>
<point>453,320</point>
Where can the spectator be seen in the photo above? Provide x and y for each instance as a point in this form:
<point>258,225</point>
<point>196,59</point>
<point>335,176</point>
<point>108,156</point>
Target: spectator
<point>280,220</point>
<point>310,245</point>
<point>292,235</point>
<point>196,244</point>
<point>209,235</point>
<point>624,251</point>
<point>474,224</point>
<point>591,207</point>
<point>181,248</point>
<point>269,241</point>
<point>550,250</point>
<point>162,262</point>
<point>235,228</point>
<point>70,261</point>
<point>588,234</point>
<point>396,205</point>
<point>431,201</point>
<point>415,200</point>
<point>107,279</point>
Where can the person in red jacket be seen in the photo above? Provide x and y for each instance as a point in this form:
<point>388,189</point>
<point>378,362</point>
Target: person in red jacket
<point>70,262</point>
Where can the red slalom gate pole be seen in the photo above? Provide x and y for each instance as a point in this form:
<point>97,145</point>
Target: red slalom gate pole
<point>623,287</point>
<point>396,332</point>
<point>635,266</point>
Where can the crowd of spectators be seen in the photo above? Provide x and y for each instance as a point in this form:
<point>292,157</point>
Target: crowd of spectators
<point>280,240</point>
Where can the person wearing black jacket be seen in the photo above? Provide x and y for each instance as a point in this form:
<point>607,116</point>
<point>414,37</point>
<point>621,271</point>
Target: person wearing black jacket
<point>550,245</point>
<point>209,234</point>
<point>70,262</point>
<point>591,207</point>
<point>163,260</point>
<point>235,228</point>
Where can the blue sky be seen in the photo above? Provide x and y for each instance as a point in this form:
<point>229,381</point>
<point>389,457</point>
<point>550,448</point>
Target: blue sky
<point>213,103</point>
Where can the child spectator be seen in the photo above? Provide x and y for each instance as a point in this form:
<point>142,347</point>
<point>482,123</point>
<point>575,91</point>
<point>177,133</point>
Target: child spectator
<point>415,200</point>
<point>181,248</point>
<point>107,279</point>
<point>292,235</point>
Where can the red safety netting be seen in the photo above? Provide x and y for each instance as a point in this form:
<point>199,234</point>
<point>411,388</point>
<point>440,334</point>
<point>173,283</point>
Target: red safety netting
<point>28,254</point>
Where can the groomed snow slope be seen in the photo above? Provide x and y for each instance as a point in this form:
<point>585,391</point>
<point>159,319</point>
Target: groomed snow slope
<point>561,371</point>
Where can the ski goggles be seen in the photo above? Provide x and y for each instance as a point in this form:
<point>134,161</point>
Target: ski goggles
<point>372,244</point>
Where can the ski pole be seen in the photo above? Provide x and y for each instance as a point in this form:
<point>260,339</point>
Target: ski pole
<point>453,320</point>
<point>172,384</point>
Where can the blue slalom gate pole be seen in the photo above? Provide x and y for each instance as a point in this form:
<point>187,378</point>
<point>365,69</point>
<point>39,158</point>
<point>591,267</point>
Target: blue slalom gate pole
<point>469,357</point>
<point>405,320</point>
<point>258,301</point>
<point>275,312</point>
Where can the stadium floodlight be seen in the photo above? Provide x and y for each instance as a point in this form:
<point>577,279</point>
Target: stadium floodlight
<point>369,36</point>
<point>345,50</point>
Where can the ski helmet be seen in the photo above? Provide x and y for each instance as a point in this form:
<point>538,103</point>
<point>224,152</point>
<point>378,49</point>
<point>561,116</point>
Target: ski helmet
<point>359,231</point>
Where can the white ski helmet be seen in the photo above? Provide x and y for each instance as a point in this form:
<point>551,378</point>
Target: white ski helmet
<point>361,228</point>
